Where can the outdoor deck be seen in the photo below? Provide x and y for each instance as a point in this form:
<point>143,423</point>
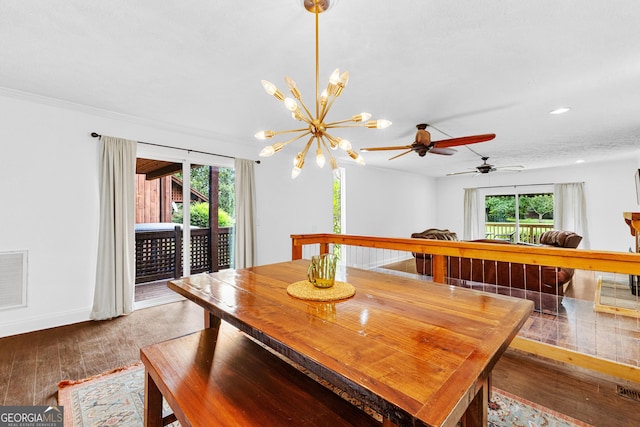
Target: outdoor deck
<point>158,253</point>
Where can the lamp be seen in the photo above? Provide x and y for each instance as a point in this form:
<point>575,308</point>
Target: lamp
<point>315,126</point>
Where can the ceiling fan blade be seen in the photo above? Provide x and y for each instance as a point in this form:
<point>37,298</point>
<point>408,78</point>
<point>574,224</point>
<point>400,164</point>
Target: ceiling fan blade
<point>443,151</point>
<point>401,154</point>
<point>461,173</point>
<point>465,140</point>
<point>399,147</point>
<point>509,167</point>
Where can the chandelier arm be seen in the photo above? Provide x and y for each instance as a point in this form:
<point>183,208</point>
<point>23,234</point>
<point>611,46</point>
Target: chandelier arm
<point>306,147</point>
<point>295,138</point>
<point>290,131</point>
<point>309,117</point>
<point>327,146</point>
<point>333,124</point>
<point>332,138</point>
<point>328,106</point>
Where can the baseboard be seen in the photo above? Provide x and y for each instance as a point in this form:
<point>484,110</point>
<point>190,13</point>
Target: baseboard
<point>157,301</point>
<point>44,322</point>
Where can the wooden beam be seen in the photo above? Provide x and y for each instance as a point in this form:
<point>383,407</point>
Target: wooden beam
<point>164,171</point>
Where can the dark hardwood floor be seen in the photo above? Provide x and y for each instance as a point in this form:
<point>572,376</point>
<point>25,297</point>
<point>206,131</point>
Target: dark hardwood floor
<point>32,364</point>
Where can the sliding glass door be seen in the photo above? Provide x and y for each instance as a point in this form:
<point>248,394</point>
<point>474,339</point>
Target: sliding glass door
<point>518,214</point>
<point>184,222</point>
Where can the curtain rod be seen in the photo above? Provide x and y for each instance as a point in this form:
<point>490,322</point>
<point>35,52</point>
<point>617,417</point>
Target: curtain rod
<point>528,185</point>
<point>97,135</point>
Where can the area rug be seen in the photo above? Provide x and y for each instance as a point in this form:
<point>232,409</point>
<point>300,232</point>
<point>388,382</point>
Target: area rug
<point>116,398</point>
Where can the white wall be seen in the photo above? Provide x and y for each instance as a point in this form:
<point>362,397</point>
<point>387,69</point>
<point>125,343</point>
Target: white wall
<point>49,201</point>
<point>609,187</point>
<point>386,203</point>
<point>288,206</point>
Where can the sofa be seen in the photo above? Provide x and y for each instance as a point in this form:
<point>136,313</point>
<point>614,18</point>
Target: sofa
<point>521,280</point>
<point>423,261</point>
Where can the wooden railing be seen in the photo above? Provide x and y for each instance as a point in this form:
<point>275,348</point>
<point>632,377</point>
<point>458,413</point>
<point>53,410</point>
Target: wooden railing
<point>158,254</point>
<point>614,262</point>
<point>528,233</point>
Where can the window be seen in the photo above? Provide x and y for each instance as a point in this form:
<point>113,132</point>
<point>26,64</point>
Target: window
<point>521,215</point>
<point>338,207</point>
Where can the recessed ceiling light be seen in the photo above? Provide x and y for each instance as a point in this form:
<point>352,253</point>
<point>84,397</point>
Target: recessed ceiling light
<point>580,161</point>
<point>560,110</point>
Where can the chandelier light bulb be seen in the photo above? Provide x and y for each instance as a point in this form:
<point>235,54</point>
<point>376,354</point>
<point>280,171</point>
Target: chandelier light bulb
<point>344,79</point>
<point>335,77</point>
<point>264,134</point>
<point>378,124</point>
<point>267,151</point>
<point>271,89</point>
<point>320,160</point>
<point>292,87</point>
<point>297,115</point>
<point>383,124</point>
<point>295,172</point>
<point>362,117</point>
<point>324,96</point>
<point>344,144</point>
<point>270,150</point>
<point>297,165</point>
<point>357,157</point>
<point>290,83</point>
<point>291,104</point>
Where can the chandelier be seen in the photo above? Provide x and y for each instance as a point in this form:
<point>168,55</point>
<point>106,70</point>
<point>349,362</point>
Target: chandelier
<point>315,126</point>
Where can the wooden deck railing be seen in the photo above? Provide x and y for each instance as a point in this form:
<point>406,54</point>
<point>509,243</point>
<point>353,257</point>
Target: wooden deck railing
<point>158,254</point>
<point>614,262</point>
<point>528,233</point>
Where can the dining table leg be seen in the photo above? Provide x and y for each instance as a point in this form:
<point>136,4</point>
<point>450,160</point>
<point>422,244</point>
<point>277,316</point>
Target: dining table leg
<point>152,403</point>
<point>211,321</point>
<point>477,413</point>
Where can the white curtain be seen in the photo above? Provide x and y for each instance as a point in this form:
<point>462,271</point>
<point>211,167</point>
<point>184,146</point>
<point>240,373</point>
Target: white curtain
<point>473,224</point>
<point>245,213</point>
<point>115,273</point>
<point>570,210</point>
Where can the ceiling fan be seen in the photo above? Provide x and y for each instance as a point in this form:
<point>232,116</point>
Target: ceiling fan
<point>423,143</point>
<point>485,168</point>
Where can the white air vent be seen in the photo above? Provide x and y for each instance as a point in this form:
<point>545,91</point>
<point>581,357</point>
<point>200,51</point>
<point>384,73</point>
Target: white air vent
<point>13,279</point>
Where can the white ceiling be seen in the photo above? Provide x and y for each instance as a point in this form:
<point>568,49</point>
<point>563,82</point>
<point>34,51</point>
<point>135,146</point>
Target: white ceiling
<point>467,67</point>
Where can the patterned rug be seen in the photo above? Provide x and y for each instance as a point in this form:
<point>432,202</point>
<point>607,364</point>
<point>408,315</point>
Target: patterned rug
<point>116,398</point>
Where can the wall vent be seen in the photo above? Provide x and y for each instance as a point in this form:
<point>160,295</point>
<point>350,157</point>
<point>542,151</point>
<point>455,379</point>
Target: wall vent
<point>628,393</point>
<point>13,279</point>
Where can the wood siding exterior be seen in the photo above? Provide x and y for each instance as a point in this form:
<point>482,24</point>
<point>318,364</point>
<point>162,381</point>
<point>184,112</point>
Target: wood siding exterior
<point>153,199</point>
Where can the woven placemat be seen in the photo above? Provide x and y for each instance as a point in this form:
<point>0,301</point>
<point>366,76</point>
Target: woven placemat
<point>305,290</point>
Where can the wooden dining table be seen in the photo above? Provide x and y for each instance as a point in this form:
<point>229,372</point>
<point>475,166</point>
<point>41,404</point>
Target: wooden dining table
<point>416,352</point>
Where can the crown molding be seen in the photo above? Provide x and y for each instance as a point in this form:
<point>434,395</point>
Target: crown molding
<point>99,112</point>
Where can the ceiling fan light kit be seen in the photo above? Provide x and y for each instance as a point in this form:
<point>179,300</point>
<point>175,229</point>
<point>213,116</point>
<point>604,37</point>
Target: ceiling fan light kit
<point>485,168</point>
<point>314,125</point>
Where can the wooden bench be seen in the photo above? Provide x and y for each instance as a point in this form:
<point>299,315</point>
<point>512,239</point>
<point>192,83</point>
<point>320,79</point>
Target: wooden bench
<point>223,378</point>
